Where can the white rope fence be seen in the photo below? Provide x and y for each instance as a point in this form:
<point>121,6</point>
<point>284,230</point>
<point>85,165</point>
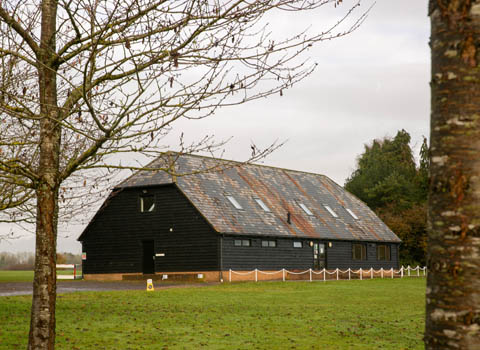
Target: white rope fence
<point>336,274</point>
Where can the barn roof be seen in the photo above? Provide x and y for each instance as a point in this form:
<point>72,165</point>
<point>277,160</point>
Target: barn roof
<point>212,181</point>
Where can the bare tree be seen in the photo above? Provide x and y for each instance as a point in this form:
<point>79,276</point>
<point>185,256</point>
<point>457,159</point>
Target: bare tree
<point>453,286</point>
<point>85,83</point>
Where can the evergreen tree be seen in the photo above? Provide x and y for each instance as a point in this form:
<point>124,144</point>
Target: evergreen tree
<point>389,182</point>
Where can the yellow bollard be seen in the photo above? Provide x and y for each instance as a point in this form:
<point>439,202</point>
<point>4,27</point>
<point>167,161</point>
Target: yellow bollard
<point>150,285</point>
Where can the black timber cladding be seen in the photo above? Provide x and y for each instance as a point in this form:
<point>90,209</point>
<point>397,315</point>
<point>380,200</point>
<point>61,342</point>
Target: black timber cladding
<point>284,255</point>
<point>113,240</point>
<point>266,258</point>
<point>340,256</point>
<point>280,189</point>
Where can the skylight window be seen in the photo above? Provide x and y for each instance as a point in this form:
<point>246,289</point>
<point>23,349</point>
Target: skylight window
<point>262,205</point>
<point>305,209</point>
<point>234,202</point>
<point>330,210</point>
<point>352,214</point>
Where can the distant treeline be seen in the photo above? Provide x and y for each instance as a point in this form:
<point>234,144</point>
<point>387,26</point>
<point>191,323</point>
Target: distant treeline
<point>26,260</point>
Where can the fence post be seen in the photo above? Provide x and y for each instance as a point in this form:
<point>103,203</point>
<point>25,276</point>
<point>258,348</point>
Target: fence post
<point>310,275</point>
<point>361,273</point>
<point>401,272</point>
<point>381,271</point>
<point>256,275</point>
<point>337,273</point>
<point>283,275</point>
<point>408,270</point>
<point>371,273</point>
<point>324,274</point>
<point>418,271</point>
<point>230,275</point>
<point>349,274</point>
<point>392,272</point>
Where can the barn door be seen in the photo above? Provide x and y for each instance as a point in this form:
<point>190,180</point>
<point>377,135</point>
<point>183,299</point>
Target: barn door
<point>318,256</point>
<point>148,266</point>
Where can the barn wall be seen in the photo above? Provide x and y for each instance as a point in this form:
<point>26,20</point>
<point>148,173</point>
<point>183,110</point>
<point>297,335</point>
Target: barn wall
<point>256,256</point>
<point>285,256</point>
<point>113,242</point>
<point>340,256</point>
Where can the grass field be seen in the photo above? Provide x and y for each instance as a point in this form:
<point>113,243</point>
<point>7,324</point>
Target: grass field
<point>370,314</point>
<point>27,276</point>
<point>16,276</point>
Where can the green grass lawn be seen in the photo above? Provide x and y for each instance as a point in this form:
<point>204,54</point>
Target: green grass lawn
<point>27,276</point>
<point>376,314</point>
<point>16,276</point>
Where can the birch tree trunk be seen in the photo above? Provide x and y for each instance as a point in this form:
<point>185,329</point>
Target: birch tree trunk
<point>42,324</point>
<point>453,285</point>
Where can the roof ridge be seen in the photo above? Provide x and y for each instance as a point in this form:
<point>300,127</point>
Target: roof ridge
<point>246,163</point>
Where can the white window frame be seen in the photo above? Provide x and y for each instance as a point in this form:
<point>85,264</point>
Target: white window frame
<point>234,202</point>
<point>262,205</point>
<point>243,242</point>
<point>269,243</point>
<point>352,214</point>
<point>142,204</point>
<point>330,210</point>
<point>305,209</point>
<point>300,244</point>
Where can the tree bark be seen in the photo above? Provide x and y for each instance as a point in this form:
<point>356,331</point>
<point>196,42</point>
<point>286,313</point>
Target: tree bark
<point>42,324</point>
<point>453,284</point>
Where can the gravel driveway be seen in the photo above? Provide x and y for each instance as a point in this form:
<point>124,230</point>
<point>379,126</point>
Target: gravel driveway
<point>25,288</point>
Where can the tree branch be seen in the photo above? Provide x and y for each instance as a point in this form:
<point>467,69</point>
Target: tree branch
<point>17,28</point>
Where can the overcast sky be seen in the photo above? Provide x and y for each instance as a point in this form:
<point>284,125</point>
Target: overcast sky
<point>367,85</point>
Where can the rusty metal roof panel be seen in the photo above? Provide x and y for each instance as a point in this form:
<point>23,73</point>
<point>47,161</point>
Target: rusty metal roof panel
<point>282,191</point>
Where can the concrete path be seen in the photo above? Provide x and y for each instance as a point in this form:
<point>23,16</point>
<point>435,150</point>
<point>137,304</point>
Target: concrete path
<point>25,288</point>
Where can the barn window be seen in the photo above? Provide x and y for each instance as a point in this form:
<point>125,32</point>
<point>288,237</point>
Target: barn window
<point>359,252</point>
<point>352,214</point>
<point>234,202</point>
<point>242,243</point>
<point>262,205</point>
<point>330,210</point>
<point>383,252</point>
<point>147,203</point>
<point>305,208</point>
<point>297,244</point>
<point>269,244</point>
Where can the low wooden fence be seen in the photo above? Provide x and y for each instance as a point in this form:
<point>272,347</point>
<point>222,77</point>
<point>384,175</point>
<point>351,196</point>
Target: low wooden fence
<point>69,271</point>
<point>325,275</point>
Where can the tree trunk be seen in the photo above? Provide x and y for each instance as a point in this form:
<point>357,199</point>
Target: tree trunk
<point>42,324</point>
<point>453,285</point>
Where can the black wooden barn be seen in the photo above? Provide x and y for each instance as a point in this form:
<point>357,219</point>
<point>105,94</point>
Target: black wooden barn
<point>227,215</point>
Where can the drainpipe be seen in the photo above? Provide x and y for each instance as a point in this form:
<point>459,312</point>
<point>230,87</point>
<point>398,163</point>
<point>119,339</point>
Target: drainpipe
<point>221,257</point>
